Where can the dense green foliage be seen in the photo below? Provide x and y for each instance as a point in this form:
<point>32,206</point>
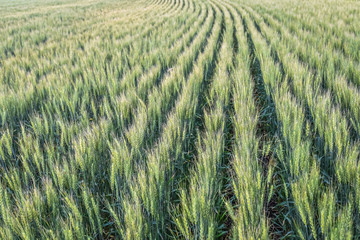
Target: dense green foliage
<point>179,119</point>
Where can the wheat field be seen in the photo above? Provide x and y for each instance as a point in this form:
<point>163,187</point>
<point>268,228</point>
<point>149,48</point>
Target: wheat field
<point>179,119</point>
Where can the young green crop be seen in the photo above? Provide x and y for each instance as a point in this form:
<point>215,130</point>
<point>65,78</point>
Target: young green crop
<point>179,119</point>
